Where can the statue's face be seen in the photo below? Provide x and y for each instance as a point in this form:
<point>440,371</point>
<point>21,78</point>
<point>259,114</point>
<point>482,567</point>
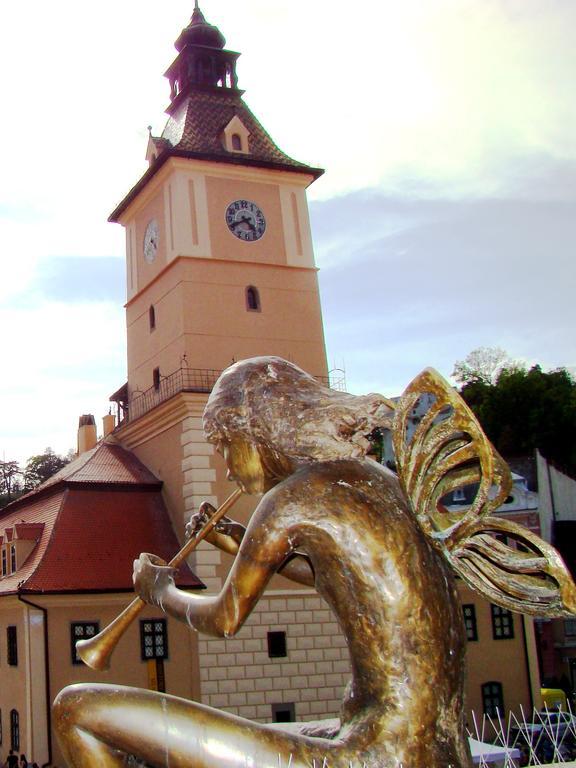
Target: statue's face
<point>246,467</point>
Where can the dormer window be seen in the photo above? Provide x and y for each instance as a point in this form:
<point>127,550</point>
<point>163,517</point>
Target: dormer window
<point>17,544</point>
<point>235,136</point>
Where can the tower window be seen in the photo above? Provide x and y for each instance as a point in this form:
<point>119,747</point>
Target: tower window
<point>492,699</point>
<point>156,378</point>
<point>152,317</point>
<point>252,299</point>
<point>277,645</point>
<point>502,623</point>
<point>12,641</point>
<point>14,730</point>
<point>237,142</point>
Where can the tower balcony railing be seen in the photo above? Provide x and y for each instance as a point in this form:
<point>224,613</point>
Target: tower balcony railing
<point>200,380</point>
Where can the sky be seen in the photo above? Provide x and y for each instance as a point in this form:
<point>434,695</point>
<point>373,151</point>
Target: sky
<point>444,222</point>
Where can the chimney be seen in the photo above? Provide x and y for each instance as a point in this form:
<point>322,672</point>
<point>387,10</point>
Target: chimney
<point>86,433</point>
<point>108,424</point>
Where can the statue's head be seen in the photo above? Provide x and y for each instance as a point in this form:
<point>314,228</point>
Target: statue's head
<point>276,406</point>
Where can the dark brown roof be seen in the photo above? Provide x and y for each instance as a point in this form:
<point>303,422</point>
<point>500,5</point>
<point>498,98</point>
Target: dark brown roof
<point>198,124</point>
<point>194,131</point>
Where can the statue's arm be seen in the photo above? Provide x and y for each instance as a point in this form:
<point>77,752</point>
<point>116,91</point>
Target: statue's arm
<point>262,552</point>
<point>228,535</point>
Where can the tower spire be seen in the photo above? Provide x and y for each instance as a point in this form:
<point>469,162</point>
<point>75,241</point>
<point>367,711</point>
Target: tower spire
<point>202,62</point>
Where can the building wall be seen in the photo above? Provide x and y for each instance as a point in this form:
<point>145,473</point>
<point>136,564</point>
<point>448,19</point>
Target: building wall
<point>511,662</point>
<point>238,674</point>
<point>16,683</point>
<point>557,492</point>
<point>24,687</point>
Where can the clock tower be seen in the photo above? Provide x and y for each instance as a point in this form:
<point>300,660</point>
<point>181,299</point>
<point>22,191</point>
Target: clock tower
<point>219,268</point>
<point>218,247</point>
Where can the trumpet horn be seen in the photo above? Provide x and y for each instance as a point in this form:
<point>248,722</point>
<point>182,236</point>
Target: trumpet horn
<point>96,651</point>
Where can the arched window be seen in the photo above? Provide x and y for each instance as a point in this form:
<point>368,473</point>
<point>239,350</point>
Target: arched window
<point>14,730</point>
<point>252,299</point>
<point>492,698</point>
<point>152,317</point>
<point>237,142</point>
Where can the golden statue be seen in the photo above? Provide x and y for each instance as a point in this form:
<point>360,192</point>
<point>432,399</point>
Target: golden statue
<point>379,548</point>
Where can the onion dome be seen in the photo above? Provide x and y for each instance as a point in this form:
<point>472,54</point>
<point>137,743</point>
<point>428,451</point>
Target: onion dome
<point>199,32</point>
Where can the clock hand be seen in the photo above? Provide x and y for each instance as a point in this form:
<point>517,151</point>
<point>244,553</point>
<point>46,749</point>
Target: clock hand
<point>244,220</point>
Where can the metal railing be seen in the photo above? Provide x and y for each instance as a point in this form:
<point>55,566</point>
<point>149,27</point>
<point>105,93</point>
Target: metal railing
<point>525,738</point>
<point>200,380</point>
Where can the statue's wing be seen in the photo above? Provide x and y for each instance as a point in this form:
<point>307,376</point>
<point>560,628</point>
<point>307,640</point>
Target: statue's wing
<point>440,447</point>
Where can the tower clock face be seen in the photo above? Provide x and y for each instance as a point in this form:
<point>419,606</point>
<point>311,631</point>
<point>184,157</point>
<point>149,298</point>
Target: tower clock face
<point>245,220</point>
<point>151,240</point>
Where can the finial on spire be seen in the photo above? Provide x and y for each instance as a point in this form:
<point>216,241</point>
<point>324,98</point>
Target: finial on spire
<point>196,5</point>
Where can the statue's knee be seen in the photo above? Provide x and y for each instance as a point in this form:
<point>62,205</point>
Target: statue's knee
<point>68,704</point>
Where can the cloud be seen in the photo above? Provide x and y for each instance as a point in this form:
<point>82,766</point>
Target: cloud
<point>407,283</point>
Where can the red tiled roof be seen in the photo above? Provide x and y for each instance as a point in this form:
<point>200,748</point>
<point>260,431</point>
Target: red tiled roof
<point>91,521</point>
<point>107,463</point>
<point>41,510</point>
<point>96,538</point>
<point>29,531</point>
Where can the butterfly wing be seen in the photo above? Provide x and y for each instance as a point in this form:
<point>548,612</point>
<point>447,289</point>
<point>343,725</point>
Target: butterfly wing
<point>440,447</point>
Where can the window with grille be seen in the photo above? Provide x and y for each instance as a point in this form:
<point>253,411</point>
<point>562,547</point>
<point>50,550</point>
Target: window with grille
<point>81,630</point>
<point>14,730</point>
<point>502,623</point>
<point>492,699</point>
<point>469,612</point>
<point>12,642</point>
<point>153,639</point>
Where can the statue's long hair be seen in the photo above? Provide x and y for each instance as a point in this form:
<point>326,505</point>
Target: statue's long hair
<point>275,404</point>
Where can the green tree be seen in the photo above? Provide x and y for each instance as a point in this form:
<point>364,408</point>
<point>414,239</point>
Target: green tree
<point>10,482</point>
<point>525,410</point>
<point>39,468</point>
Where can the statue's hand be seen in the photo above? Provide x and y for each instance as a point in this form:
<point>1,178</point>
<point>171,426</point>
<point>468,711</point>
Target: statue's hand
<point>152,578</point>
<point>228,527</point>
<point>199,519</point>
